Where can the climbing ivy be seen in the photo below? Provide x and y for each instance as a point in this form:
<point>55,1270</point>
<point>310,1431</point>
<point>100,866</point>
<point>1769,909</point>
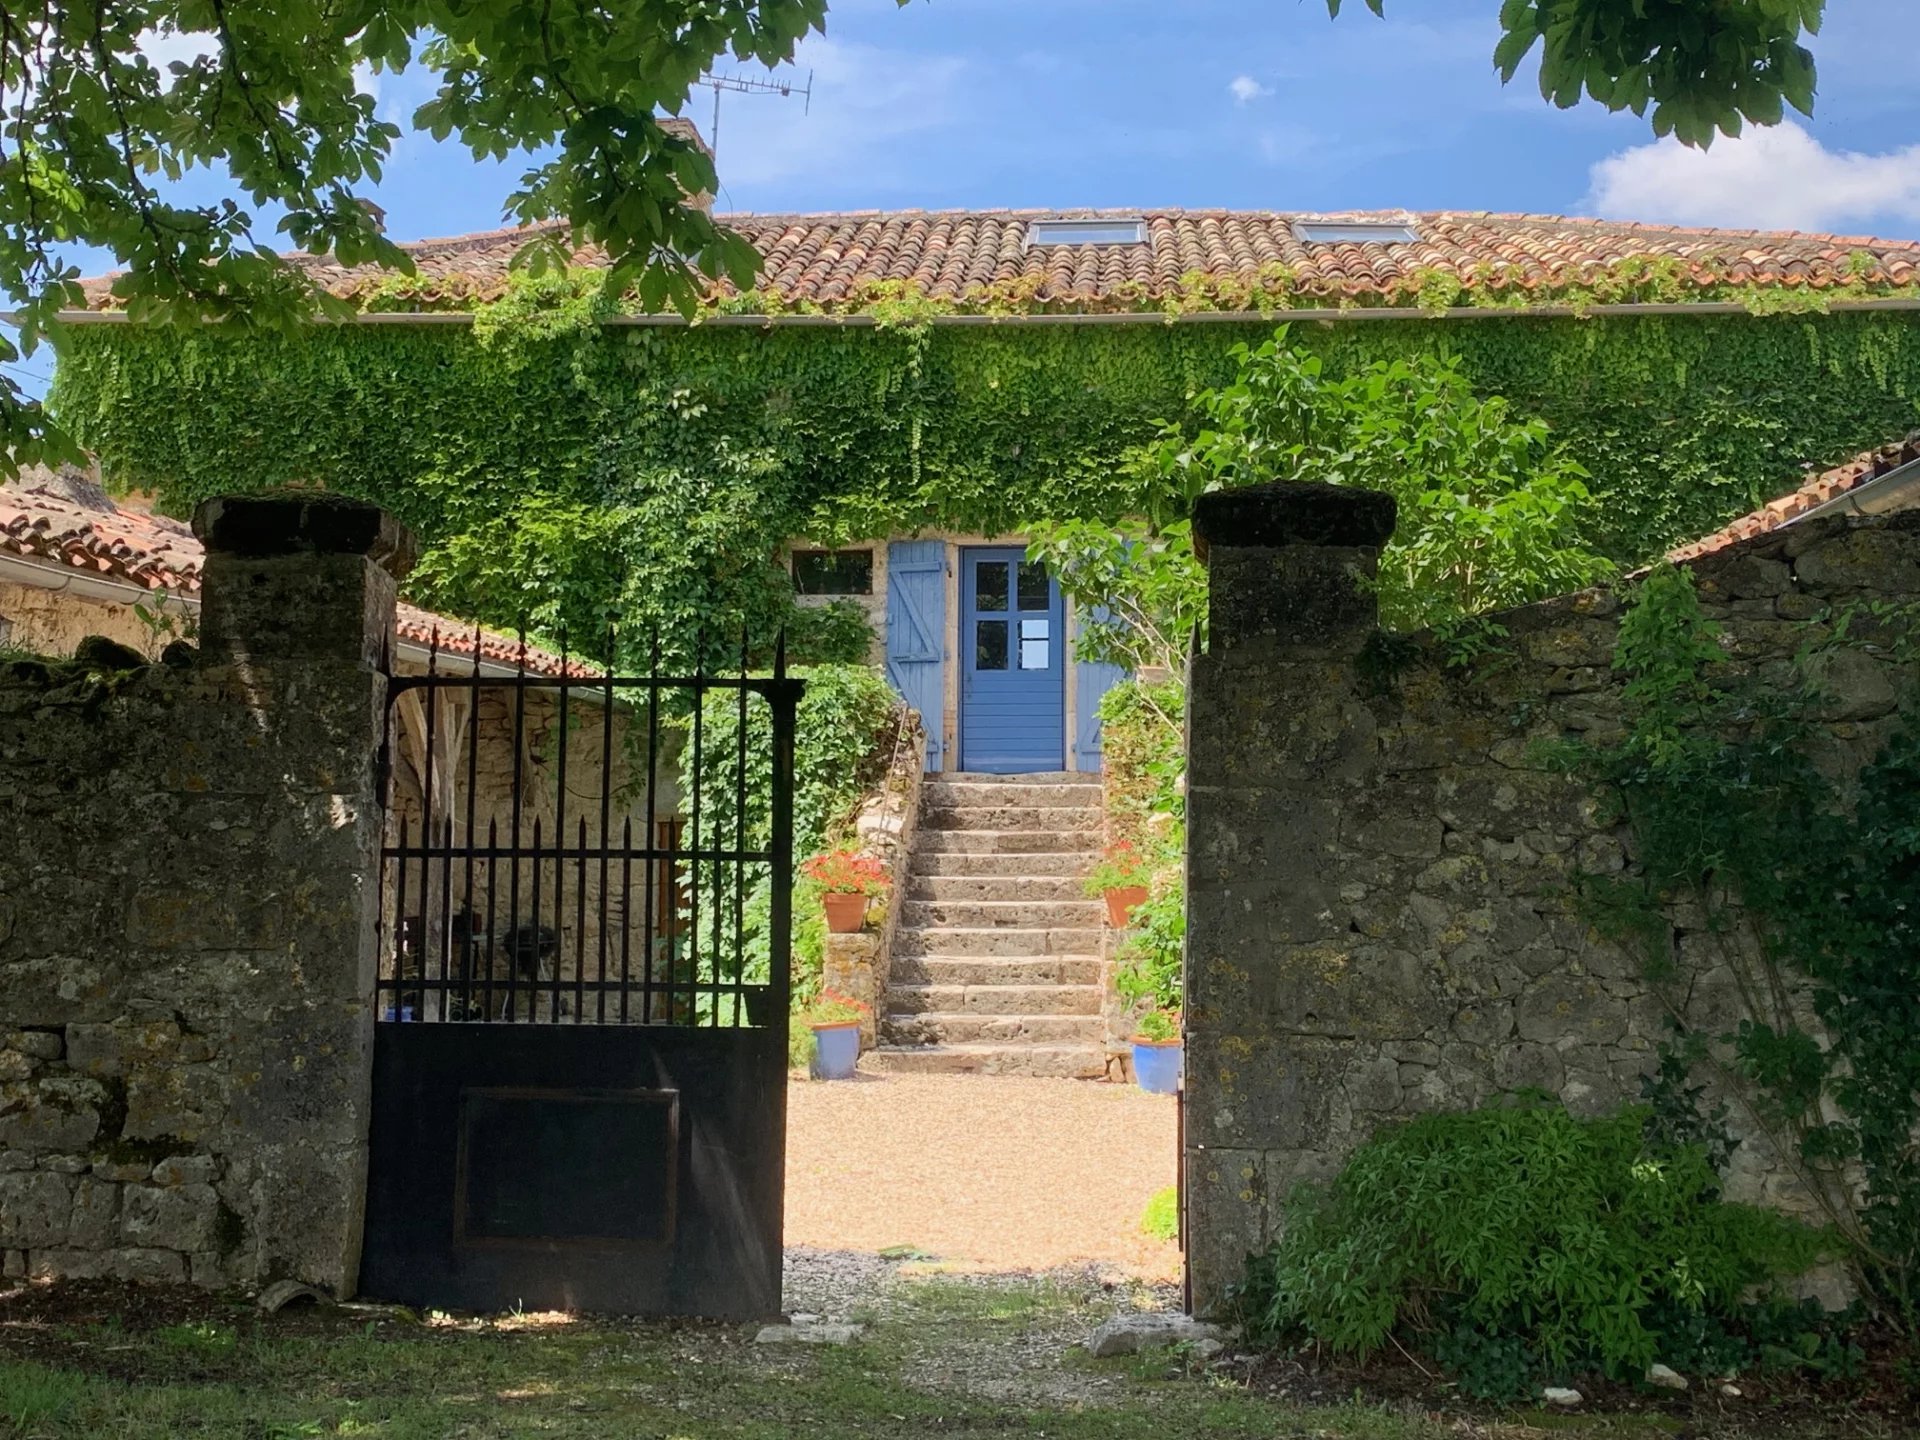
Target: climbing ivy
<point>1809,874</point>
<point>552,464</point>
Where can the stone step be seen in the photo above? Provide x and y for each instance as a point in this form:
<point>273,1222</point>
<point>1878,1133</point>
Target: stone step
<point>946,1027</point>
<point>1047,819</point>
<point>1069,865</point>
<point>994,999</point>
<point>1001,914</point>
<point>1004,941</point>
<point>1030,888</point>
<point>957,795</point>
<point>969,970</point>
<point>1048,1062</point>
<point>1007,842</point>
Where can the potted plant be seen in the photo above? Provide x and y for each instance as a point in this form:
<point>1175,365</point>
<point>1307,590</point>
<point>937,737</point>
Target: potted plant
<point>1157,1052</point>
<point>835,1021</point>
<point>1121,880</point>
<point>847,881</point>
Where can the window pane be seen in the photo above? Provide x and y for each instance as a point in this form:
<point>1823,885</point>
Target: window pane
<point>1035,593</point>
<point>833,572</point>
<point>1033,644</point>
<point>990,586</point>
<point>989,644</point>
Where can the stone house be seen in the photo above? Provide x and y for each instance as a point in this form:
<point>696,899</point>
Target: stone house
<point>952,366</point>
<point>975,637</point>
<point>74,564</point>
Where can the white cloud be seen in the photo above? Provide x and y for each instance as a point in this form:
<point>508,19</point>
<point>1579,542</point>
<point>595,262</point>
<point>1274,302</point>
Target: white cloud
<point>1780,178</point>
<point>1245,89</point>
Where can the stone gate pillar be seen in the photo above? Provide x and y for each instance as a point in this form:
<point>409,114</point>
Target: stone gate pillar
<point>1273,713</point>
<point>296,629</point>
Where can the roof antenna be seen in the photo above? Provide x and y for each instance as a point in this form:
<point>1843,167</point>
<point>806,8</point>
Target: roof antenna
<point>746,85</point>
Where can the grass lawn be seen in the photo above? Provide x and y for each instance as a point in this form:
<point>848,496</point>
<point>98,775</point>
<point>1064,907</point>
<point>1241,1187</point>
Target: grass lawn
<point>942,1357</point>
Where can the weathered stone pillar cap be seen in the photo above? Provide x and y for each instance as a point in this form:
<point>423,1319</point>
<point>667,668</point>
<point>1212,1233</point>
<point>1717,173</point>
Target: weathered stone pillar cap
<point>293,522</point>
<point>1293,512</point>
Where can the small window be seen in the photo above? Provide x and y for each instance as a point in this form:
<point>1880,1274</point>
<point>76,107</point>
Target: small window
<point>989,644</point>
<point>990,585</point>
<point>1036,590</point>
<point>1354,232</point>
<point>1034,652</point>
<point>833,572</point>
<point>1087,232</point>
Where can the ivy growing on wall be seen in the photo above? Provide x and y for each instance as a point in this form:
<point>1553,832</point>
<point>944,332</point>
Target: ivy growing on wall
<point>565,471</point>
<point>1809,878</point>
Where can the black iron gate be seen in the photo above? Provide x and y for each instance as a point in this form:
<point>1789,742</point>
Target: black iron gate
<point>579,1090</point>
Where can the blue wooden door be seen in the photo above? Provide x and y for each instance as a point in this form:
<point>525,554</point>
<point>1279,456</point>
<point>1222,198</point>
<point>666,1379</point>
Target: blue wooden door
<point>1013,664</point>
<point>917,633</point>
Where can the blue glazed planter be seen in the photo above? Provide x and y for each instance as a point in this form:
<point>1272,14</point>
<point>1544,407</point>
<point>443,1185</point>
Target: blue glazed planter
<point>836,1050</point>
<point>1156,1065</point>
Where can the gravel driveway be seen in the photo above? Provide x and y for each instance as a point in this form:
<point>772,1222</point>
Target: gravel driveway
<point>981,1172</point>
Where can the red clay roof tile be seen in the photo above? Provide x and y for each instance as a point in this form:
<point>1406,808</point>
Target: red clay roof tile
<point>40,520</point>
<point>959,256</point>
<point>1816,490</point>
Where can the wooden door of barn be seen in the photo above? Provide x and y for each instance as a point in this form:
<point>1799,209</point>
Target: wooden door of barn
<point>579,1089</point>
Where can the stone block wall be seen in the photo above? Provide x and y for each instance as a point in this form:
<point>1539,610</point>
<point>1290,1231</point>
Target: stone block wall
<point>860,965</point>
<point>187,914</point>
<point>1381,914</point>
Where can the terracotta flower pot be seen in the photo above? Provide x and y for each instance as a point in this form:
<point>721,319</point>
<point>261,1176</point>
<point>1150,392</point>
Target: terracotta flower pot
<point>846,911</point>
<point>1120,904</point>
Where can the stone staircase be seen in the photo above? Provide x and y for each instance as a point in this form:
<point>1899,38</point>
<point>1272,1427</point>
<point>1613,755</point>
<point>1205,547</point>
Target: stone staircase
<point>996,963</point>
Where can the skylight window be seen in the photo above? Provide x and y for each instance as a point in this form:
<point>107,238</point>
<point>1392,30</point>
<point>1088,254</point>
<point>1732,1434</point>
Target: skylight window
<point>1087,232</point>
<point>1354,232</point>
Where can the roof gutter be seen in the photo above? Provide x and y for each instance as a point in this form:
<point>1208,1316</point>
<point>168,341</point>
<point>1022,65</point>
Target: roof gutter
<point>65,580</point>
<point>1326,316</point>
<point>1898,489</point>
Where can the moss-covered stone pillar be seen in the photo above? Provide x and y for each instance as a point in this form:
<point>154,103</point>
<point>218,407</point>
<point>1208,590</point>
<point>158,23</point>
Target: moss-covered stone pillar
<point>1273,715</point>
<point>297,626</point>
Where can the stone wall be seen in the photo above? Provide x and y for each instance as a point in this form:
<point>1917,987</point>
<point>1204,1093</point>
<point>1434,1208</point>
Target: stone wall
<point>1381,915</point>
<point>860,965</point>
<point>46,619</point>
<point>187,919</point>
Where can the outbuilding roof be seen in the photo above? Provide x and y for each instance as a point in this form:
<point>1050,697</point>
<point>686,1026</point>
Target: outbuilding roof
<point>993,261</point>
<point>67,522</point>
<point>1820,489</point>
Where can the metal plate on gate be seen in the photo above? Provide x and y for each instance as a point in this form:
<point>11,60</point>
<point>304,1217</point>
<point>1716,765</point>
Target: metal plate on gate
<point>588,1167</point>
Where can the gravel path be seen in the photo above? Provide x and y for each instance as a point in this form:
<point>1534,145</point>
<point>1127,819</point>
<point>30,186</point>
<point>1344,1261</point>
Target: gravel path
<point>981,1172</point>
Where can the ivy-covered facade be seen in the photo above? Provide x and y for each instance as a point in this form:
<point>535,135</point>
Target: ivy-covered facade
<point>570,465</point>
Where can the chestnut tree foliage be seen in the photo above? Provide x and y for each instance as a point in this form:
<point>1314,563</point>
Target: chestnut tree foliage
<point>103,103</point>
<point>97,117</point>
<point>1703,66</point>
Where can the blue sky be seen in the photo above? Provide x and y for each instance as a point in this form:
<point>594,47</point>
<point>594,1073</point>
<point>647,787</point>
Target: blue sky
<point>1247,104</point>
<point>1255,104</point>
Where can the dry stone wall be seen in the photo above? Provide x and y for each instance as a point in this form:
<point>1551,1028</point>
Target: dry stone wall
<point>1382,919</point>
<point>187,912</point>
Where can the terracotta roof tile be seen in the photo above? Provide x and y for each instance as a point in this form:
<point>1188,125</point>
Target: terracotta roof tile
<point>959,256</point>
<point>62,523</point>
<point>1815,491</point>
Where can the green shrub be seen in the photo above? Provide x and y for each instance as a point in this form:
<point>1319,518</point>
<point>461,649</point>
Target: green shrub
<point>1150,971</point>
<point>1519,1223</point>
<point>1161,1219</point>
<point>843,740</point>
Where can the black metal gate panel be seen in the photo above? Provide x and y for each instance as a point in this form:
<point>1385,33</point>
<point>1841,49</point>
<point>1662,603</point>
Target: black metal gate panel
<point>579,1087</point>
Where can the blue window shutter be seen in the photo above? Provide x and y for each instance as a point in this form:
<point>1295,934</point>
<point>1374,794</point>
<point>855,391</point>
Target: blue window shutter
<point>917,632</point>
<point>1090,682</point>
